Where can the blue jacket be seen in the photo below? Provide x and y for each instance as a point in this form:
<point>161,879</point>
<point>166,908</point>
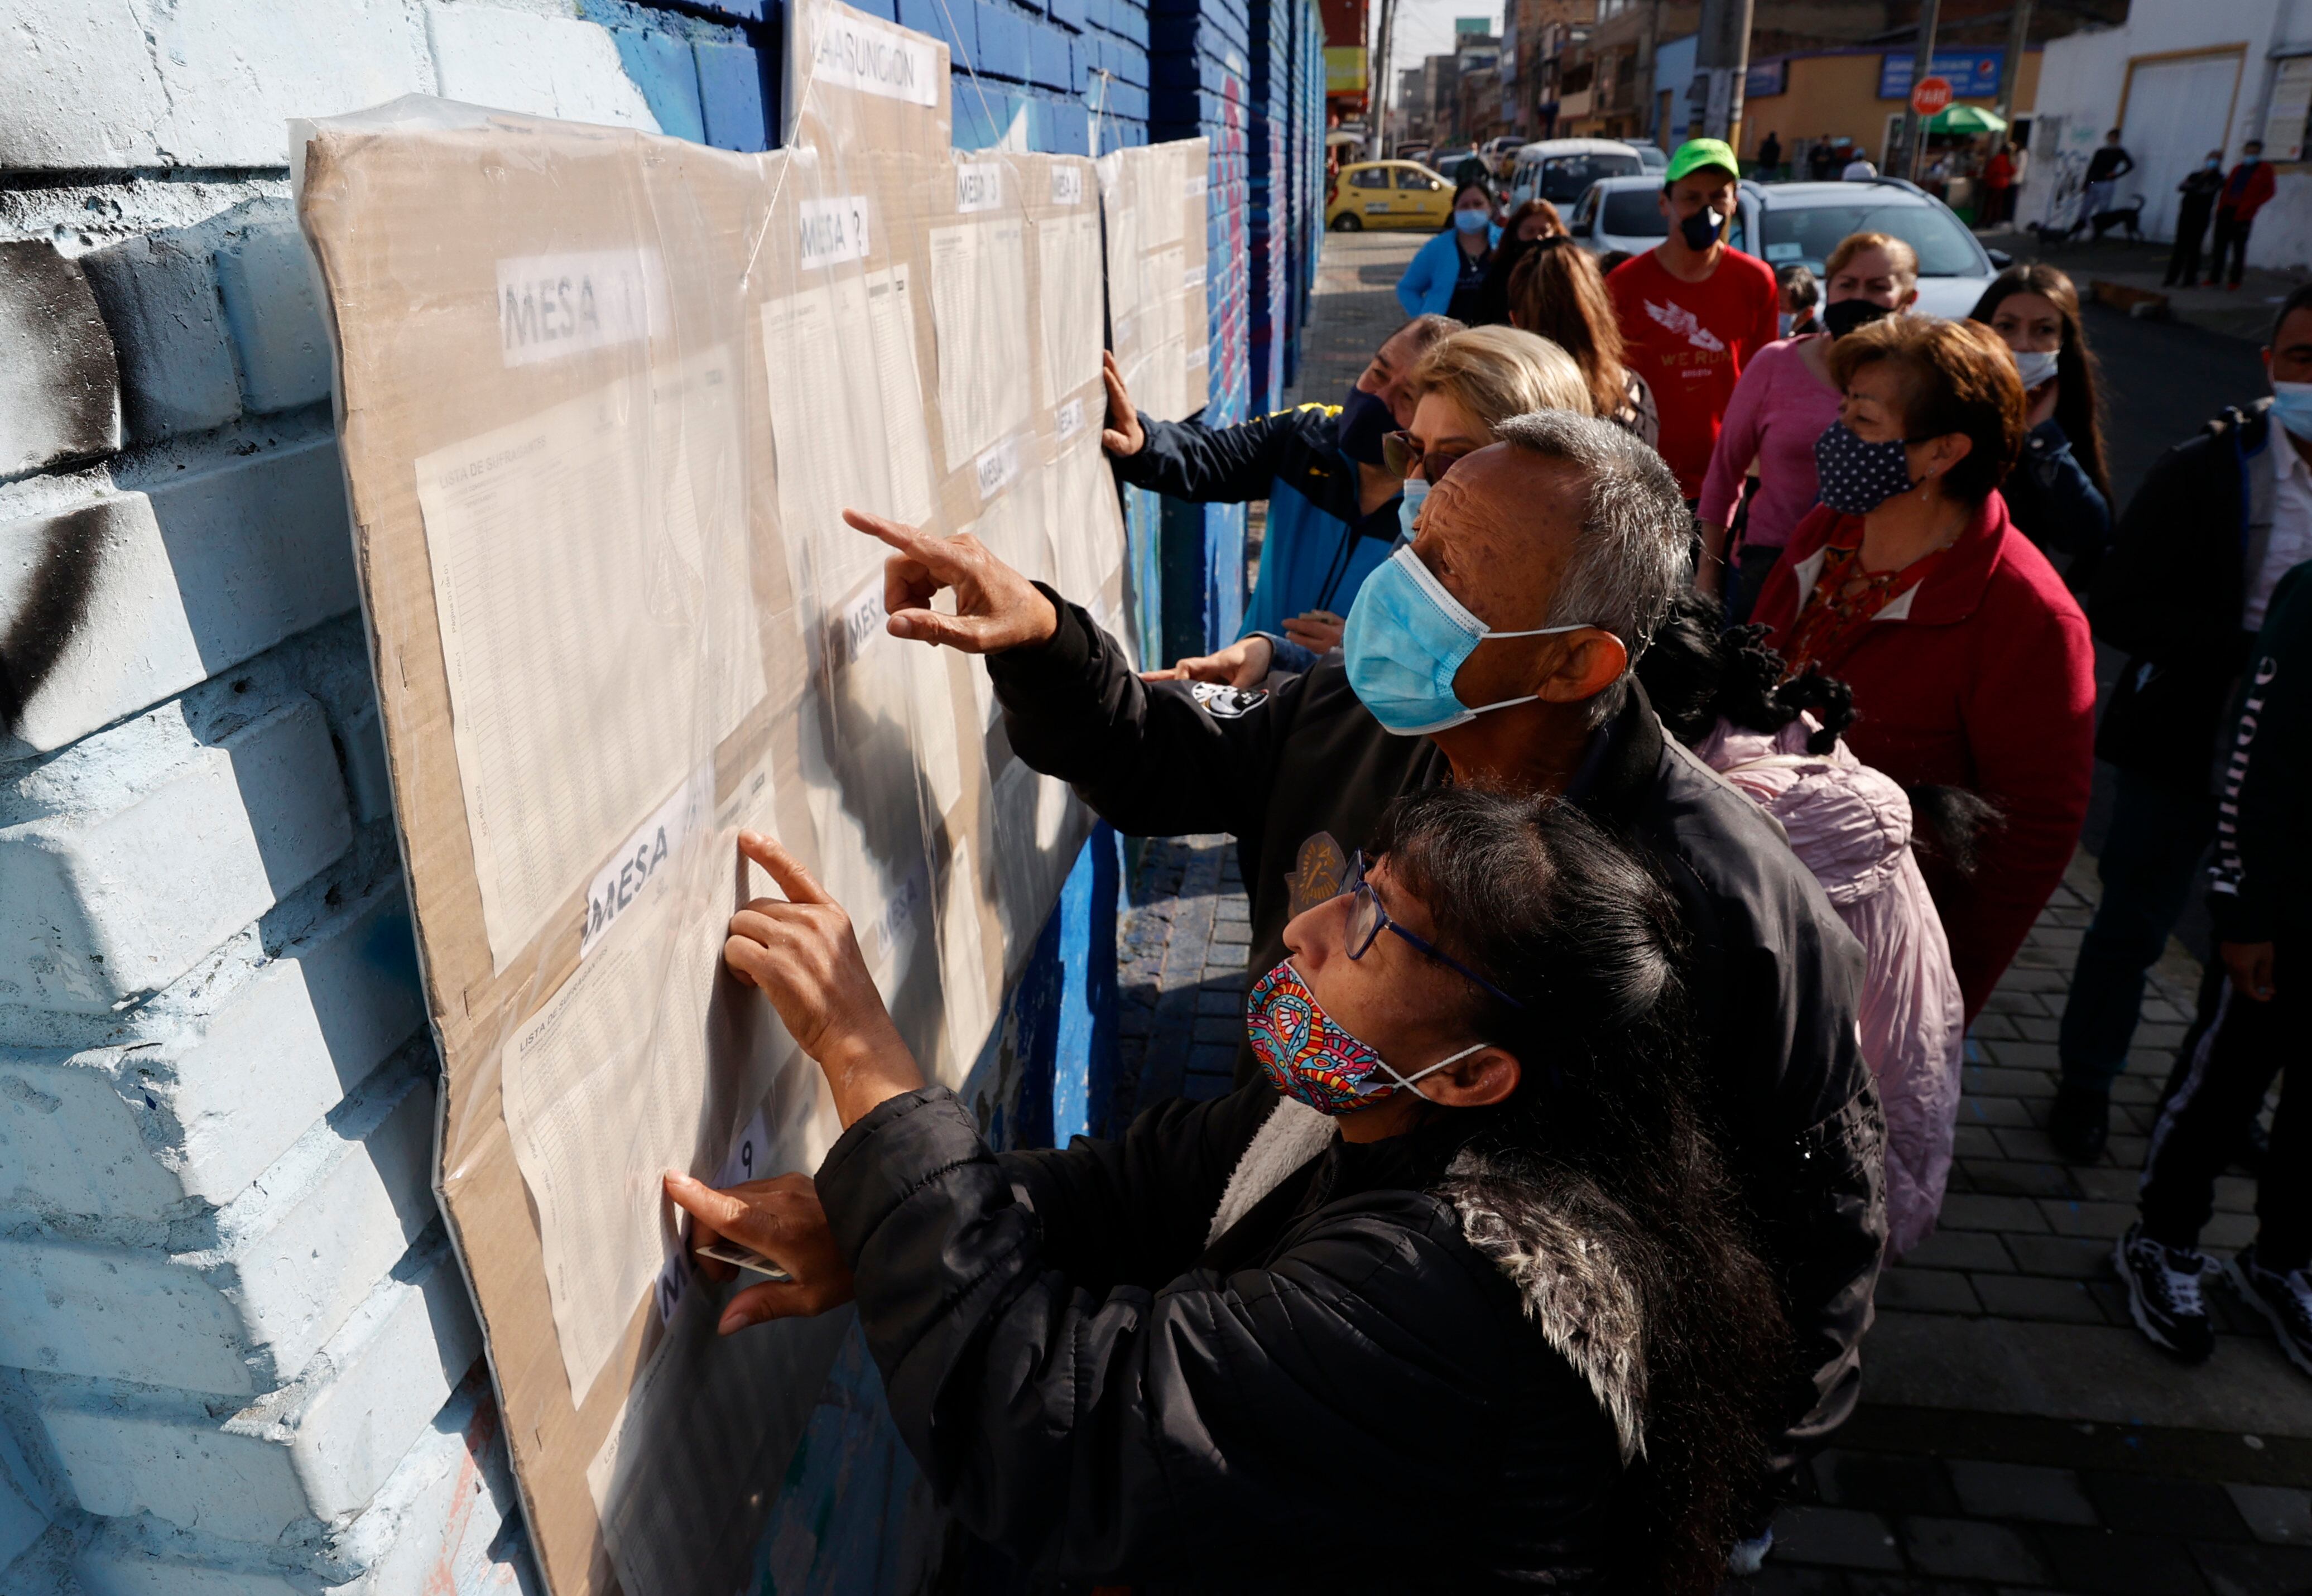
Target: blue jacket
<point>1319,546</point>
<point>1427,287</point>
<point>2056,504</point>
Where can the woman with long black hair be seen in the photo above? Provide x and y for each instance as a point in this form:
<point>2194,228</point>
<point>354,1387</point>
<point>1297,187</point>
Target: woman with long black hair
<point>1455,1299</point>
<point>2059,494</point>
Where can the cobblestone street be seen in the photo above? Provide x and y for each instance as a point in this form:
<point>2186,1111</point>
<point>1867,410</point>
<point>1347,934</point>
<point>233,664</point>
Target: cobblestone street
<point>2015,1433</point>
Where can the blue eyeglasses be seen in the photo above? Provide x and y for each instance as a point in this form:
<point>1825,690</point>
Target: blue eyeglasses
<point>1368,920</point>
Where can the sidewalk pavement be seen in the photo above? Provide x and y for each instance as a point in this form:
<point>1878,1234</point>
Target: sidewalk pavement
<point>2015,1433</point>
<point>2131,273</point>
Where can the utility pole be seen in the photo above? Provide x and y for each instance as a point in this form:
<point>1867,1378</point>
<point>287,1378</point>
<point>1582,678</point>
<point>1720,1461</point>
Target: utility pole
<point>1922,67</point>
<point>1377,93</point>
<point>1721,60</point>
<point>2011,70</point>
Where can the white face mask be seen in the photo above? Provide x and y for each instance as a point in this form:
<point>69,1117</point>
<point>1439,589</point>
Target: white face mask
<point>2037,366</point>
<point>1785,318</point>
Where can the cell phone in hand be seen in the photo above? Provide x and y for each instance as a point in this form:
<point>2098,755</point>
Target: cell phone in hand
<point>745,1257</point>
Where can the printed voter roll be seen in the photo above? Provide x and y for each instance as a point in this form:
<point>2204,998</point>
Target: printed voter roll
<point>979,301</point>
<point>574,699</point>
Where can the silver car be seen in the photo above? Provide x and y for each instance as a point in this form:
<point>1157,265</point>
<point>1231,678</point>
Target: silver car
<point>1619,213</point>
<point>1781,222</point>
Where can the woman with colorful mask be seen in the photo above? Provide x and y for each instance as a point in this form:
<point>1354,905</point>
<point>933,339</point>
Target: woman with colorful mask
<point>1784,400</point>
<point>1450,268</point>
<point>1503,1318</point>
<point>1970,662</point>
<point>2058,493</point>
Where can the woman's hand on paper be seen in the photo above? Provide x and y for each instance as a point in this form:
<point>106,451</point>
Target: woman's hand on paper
<point>782,1220</point>
<point>995,607</point>
<point>1123,436</point>
<point>1243,663</point>
<point>802,954</point>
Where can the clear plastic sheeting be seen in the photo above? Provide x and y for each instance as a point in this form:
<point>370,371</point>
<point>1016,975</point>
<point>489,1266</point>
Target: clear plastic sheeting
<point>603,396</point>
<point>1153,199</point>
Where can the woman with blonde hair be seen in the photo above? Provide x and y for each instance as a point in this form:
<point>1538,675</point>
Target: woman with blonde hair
<point>1784,400</point>
<point>1558,293</point>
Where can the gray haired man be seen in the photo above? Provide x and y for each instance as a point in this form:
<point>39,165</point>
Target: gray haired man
<point>1494,650</point>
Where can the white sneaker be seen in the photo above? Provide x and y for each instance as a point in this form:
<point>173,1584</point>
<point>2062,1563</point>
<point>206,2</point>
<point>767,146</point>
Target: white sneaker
<point>1749,1556</point>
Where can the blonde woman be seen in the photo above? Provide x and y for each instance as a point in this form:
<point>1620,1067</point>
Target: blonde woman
<point>1466,386</point>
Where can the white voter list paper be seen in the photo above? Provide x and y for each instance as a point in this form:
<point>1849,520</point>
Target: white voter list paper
<point>576,704</point>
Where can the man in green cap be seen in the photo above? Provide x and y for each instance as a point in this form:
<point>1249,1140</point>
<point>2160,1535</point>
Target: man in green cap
<point>1693,311</point>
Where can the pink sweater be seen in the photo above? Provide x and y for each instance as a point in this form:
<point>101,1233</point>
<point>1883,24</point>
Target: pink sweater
<point>1779,409</point>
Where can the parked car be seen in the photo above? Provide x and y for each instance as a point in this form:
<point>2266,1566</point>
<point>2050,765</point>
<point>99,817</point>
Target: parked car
<point>1651,157</point>
<point>1620,213</point>
<point>1803,222</point>
<point>1558,170</point>
<point>1499,152</point>
<point>1389,193</point>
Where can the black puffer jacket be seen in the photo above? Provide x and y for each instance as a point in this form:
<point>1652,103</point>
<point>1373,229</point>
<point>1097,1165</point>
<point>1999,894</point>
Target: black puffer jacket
<point>1166,1361</point>
<point>1299,775</point>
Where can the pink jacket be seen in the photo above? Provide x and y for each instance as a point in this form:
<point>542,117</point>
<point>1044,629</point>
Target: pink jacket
<point>1851,825</point>
<point>1779,409</point>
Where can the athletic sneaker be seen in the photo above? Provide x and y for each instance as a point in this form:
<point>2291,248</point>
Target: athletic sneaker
<point>2163,1295</point>
<point>2286,1300</point>
<point>1747,1557</point>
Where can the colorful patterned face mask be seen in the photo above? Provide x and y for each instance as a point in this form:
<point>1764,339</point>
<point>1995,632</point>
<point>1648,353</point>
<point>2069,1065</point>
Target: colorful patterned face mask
<point>1307,1055</point>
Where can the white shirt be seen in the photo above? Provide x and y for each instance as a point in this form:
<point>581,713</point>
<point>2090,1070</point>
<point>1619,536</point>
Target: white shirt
<point>1856,169</point>
<point>2289,543</point>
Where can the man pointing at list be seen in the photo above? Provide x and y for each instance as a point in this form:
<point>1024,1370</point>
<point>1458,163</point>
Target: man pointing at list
<point>1693,311</point>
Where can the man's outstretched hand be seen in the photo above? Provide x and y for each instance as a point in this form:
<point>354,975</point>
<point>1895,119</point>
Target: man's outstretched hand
<point>1123,436</point>
<point>782,1220</point>
<point>1243,663</point>
<point>995,607</point>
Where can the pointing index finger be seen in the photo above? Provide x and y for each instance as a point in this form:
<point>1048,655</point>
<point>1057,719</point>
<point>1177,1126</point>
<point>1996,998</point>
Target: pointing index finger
<point>931,553</point>
<point>785,869</point>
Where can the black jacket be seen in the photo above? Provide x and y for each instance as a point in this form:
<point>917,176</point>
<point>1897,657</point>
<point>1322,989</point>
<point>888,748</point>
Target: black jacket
<point>2056,504</point>
<point>2262,887</point>
<point>2171,592</point>
<point>1340,1391</point>
<point>1299,774</point>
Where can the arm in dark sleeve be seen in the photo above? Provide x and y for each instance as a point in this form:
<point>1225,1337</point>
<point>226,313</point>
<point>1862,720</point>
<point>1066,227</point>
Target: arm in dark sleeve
<point>2063,508</point>
<point>1211,465</point>
<point>2261,818</point>
<point>1166,1432</point>
<point>1136,1209</point>
<point>2145,599</point>
<point>1150,757</point>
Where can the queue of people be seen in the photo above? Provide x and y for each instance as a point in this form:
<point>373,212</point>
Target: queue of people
<point>1611,968</point>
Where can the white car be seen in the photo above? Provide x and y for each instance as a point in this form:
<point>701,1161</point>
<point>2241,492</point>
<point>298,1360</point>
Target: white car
<point>1620,213</point>
<point>1558,170</point>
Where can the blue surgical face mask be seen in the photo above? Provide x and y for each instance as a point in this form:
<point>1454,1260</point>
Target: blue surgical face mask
<point>2215,163</point>
<point>1409,506</point>
<point>1406,641</point>
<point>1854,476</point>
<point>2250,158</point>
<point>1471,221</point>
<point>2291,406</point>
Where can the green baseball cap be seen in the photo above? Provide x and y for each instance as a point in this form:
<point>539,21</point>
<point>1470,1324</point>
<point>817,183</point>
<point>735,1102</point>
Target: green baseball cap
<point>1697,152</point>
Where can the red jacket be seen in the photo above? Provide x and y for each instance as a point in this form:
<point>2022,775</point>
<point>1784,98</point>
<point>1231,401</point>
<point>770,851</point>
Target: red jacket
<point>1985,679</point>
<point>2253,184</point>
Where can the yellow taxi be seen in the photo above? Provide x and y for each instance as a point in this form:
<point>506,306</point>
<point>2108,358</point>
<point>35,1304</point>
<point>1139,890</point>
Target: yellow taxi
<point>1389,193</point>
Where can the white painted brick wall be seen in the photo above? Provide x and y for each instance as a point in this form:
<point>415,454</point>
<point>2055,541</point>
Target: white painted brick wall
<point>240,1302</point>
<point>104,905</point>
<point>320,1449</point>
<point>177,584</point>
<point>158,294</point>
<point>549,66</point>
<point>273,309</point>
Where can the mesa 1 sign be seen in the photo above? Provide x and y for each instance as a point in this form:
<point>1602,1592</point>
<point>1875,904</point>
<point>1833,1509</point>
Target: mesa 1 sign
<point>1932,95</point>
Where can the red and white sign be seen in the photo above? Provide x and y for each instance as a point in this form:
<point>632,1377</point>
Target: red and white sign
<point>1932,95</point>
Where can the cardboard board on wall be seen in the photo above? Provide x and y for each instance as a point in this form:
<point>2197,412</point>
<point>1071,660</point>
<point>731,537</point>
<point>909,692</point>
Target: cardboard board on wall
<point>600,396</point>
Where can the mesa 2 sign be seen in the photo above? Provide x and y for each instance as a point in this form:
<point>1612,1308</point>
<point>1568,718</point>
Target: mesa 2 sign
<point>1932,97</point>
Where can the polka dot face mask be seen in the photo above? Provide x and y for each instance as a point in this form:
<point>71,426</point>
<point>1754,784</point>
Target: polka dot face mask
<point>1858,476</point>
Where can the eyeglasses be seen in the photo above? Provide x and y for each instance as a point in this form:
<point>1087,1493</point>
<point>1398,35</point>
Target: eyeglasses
<point>1368,920</point>
<point>1401,451</point>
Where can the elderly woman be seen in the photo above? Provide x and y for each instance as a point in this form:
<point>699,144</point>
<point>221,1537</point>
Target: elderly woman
<point>1499,1332</point>
<point>1970,662</point>
<point>1786,396</point>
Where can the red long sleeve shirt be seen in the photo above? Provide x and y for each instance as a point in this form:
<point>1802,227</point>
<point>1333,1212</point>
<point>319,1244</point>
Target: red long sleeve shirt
<point>1983,680</point>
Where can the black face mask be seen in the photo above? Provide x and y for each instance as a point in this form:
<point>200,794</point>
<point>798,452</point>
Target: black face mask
<point>1365,422</point>
<point>1848,314</point>
<point>1701,230</point>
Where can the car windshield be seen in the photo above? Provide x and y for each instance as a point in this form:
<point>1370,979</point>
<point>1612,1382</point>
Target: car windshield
<point>1632,214</point>
<point>1808,233</point>
<point>1564,177</point>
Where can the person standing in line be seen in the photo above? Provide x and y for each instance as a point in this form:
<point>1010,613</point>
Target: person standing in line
<point>2186,587</point>
<point>1693,311</point>
<point>1801,293</point>
<point>2100,189</point>
<point>2199,191</point>
<point>2255,1024</point>
<point>1998,187</point>
<point>2058,493</point>
<point>1784,400</point>
<point>1770,157</point>
<point>1527,227</point>
<point>1332,502</point>
<point>1450,268</point>
<point>1970,663</point>
<point>2245,191</point>
<point>1559,295</point>
<point>1859,169</point>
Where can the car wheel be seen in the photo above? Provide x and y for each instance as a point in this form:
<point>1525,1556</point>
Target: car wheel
<point>1348,222</point>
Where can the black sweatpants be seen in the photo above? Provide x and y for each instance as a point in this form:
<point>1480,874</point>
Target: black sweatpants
<point>2231,238</point>
<point>2241,1045</point>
